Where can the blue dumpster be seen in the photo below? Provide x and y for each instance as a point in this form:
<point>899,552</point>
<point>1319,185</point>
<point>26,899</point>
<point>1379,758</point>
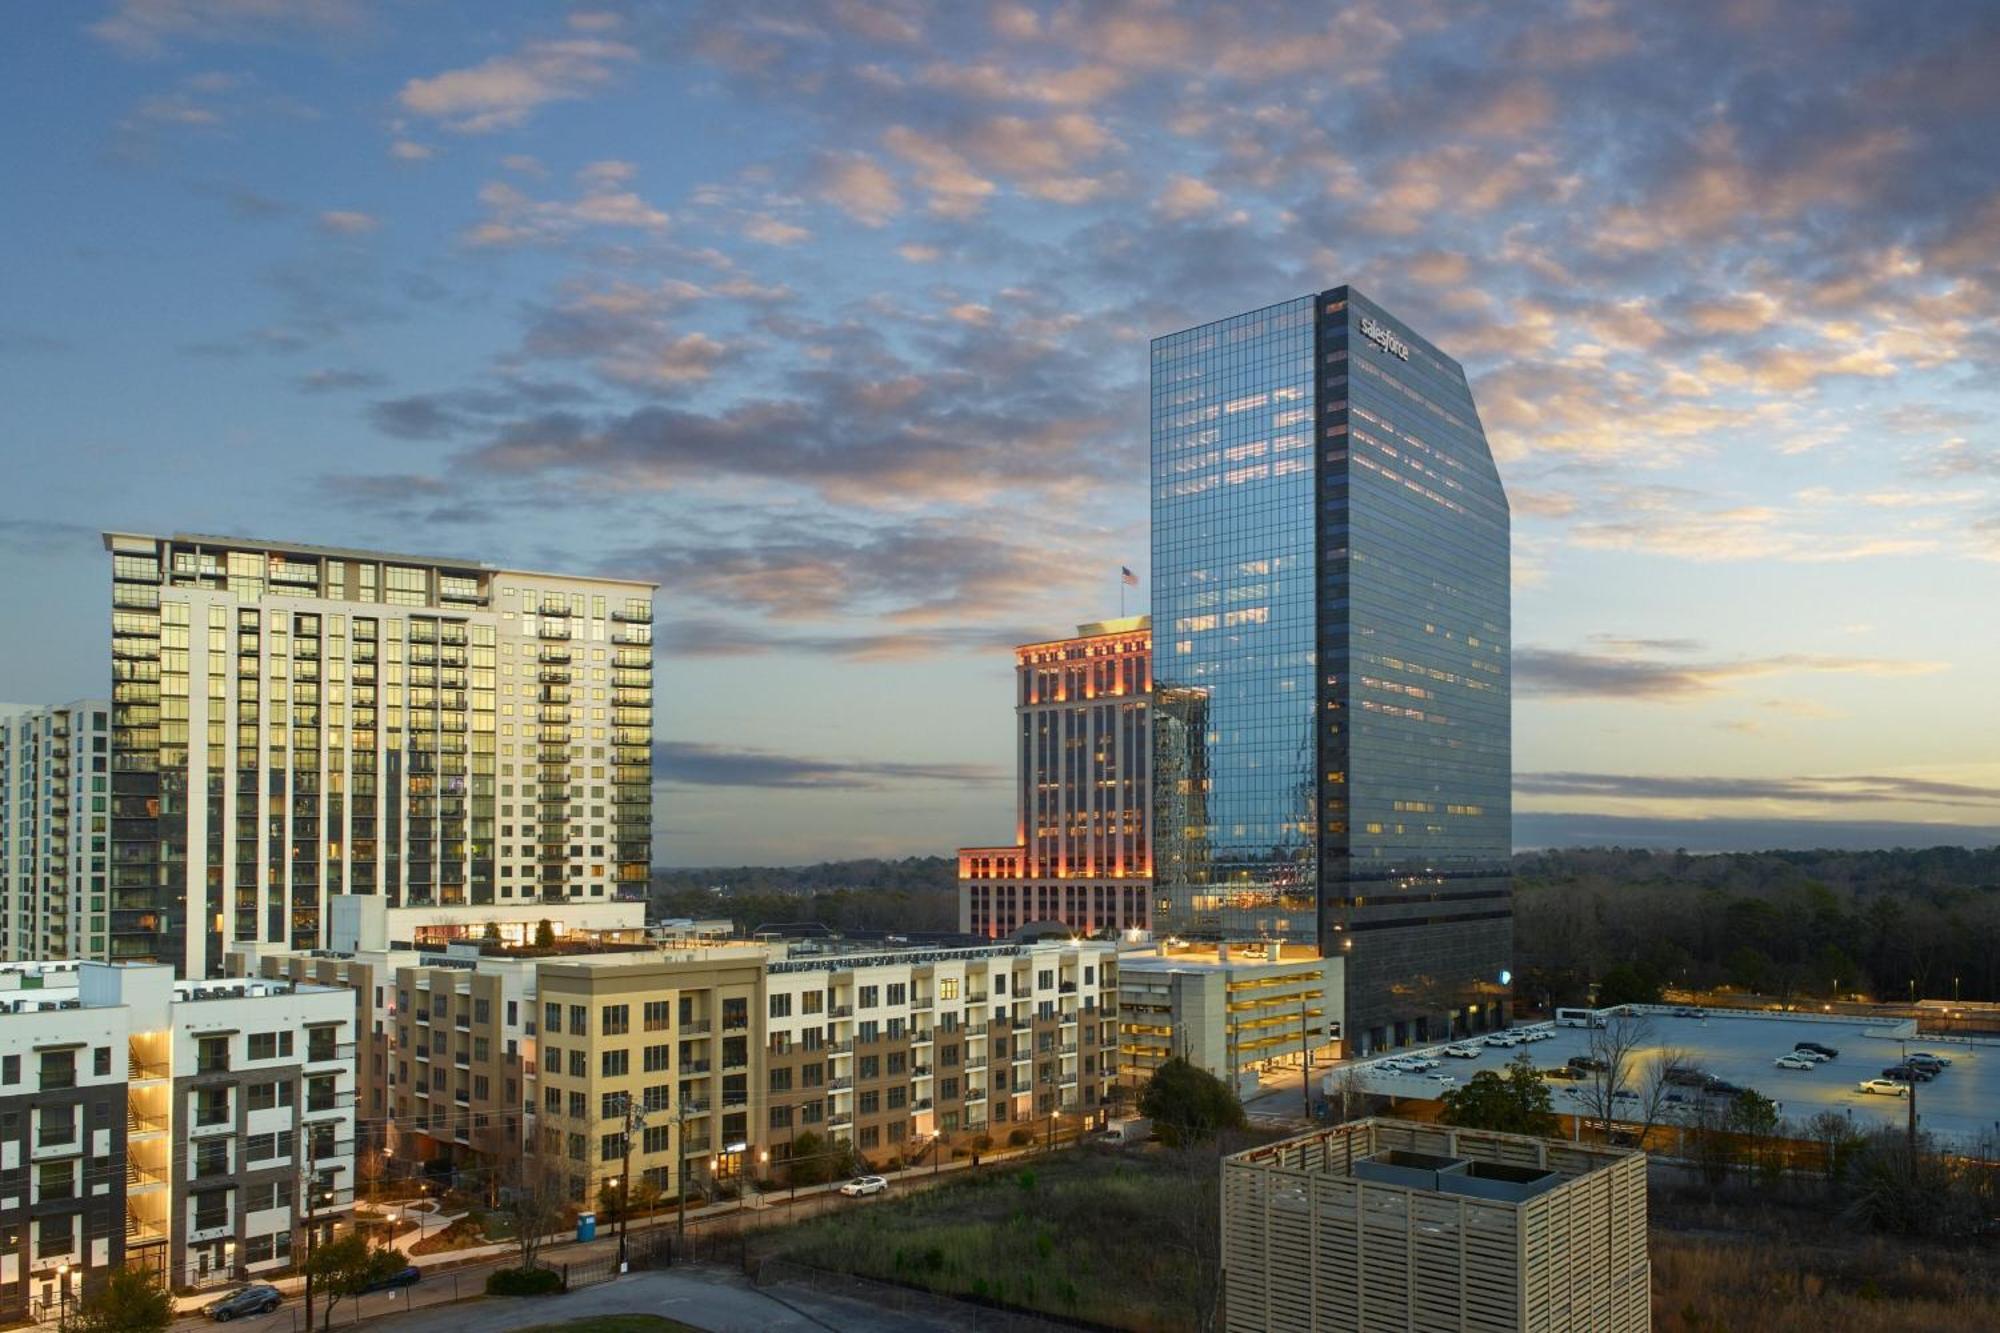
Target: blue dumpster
<point>586,1226</point>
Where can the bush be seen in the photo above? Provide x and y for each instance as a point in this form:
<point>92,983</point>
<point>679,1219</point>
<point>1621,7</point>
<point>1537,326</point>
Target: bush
<point>524,1282</point>
<point>984,1143</point>
<point>1019,1138</point>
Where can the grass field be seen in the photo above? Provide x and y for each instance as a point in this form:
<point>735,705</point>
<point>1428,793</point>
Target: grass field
<point>1084,1234</point>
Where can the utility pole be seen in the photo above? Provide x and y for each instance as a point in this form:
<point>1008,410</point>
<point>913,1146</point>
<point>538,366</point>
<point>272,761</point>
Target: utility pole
<point>1911,1132</point>
<point>681,1117</point>
<point>1305,1060</point>
<point>308,1187</point>
<point>635,1120</point>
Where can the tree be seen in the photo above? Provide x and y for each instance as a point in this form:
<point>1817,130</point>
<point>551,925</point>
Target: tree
<point>1612,1090</point>
<point>1753,1117</point>
<point>1187,1104</point>
<point>1627,984</point>
<point>533,1196</point>
<point>1516,1102</point>
<point>348,1266</point>
<point>545,935</point>
<point>491,935</point>
<point>132,1300</point>
<point>1837,1138</point>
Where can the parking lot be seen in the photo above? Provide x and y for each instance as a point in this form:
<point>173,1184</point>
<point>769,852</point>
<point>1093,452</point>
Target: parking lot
<point>1960,1106</point>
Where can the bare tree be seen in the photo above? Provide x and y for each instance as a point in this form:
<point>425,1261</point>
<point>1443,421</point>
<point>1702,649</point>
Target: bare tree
<point>1192,1226</point>
<point>1837,1138</point>
<point>1353,1093</point>
<point>1612,1089</point>
<point>534,1192</point>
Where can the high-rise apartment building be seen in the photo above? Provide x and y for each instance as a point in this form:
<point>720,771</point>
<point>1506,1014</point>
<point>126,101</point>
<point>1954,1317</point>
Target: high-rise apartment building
<point>1082,849</point>
<point>55,776</point>
<point>1331,606</point>
<point>292,723</point>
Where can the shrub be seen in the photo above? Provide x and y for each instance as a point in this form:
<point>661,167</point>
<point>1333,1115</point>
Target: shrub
<point>1019,1138</point>
<point>524,1282</point>
<point>984,1143</point>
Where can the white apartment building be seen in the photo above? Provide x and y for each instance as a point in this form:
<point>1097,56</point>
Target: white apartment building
<point>292,723</point>
<point>1235,1010</point>
<point>197,1127</point>
<point>55,829</point>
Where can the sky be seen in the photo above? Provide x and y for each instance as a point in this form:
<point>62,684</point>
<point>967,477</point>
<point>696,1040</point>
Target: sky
<point>832,317</point>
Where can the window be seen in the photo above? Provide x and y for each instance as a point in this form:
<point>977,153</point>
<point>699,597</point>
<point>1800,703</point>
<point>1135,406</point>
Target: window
<point>656,1015</point>
<point>579,1019</point>
<point>268,1195</point>
<point>611,1106</point>
<point>615,1064</point>
<point>611,1147</point>
<point>656,1138</point>
<point>552,1100</point>
<point>947,1089</point>
<point>56,1126</point>
<point>781,1117</point>
<point>948,1055</point>
<point>948,988</point>
<point>812,1002</point>
<point>781,1080</point>
<point>58,1069</point>
<point>482,1012</point>
<point>10,1069</point>
<point>1045,979</point>
<point>211,1106</point>
<point>55,1180</point>
<point>551,1018</point>
<point>781,1006</point>
<point>870,996</point>
<point>812,1076</point>
<point>870,1066</point>
<point>579,1064</point>
<point>868,1030</point>
<point>56,1236</point>
<point>211,1055</point>
<point>211,1158</point>
<point>579,1106</point>
<point>898,1097</point>
<point>899,993</point>
<point>870,1102</point>
<point>268,1096</point>
<point>898,1062</point>
<point>871,1136</point>
<point>617,1020</point>
<point>735,1013</point>
<point>656,1057</point>
<point>100,1061</point>
<point>656,1097</point>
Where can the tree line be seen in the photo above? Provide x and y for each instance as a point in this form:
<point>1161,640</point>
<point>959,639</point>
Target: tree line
<point>1887,924</point>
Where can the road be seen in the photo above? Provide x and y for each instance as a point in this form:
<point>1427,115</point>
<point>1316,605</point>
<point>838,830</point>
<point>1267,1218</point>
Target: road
<point>432,1298</point>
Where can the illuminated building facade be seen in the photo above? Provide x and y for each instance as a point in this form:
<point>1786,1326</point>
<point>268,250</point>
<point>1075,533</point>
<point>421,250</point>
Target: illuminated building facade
<point>294,723</point>
<point>1330,587</point>
<point>1082,850</point>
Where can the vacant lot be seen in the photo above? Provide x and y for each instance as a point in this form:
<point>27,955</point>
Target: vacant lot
<point>1104,1236</point>
<point>1792,1266</point>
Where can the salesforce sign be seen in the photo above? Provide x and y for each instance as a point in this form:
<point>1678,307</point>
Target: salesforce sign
<point>1384,339</point>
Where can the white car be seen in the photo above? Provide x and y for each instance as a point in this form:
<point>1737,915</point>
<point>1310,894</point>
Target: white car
<point>1500,1039</point>
<point>1792,1062</point>
<point>1462,1052</point>
<point>1442,1078</point>
<point>1421,1063</point>
<point>1888,1087</point>
<point>1813,1057</point>
<point>862,1185</point>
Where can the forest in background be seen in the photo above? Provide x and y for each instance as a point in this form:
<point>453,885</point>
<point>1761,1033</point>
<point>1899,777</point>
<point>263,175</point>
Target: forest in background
<point>1785,924</point>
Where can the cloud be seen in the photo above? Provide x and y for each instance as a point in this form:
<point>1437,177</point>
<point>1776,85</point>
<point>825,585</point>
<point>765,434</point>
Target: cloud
<point>858,186</point>
<point>1815,790</point>
<point>409,150</point>
<point>1186,197</point>
<point>767,230</point>
<point>504,92</point>
<point>515,218</point>
<point>1534,829</point>
<point>331,380</point>
<point>1557,673</point>
<point>344,222</point>
<point>147,28</point>
<point>695,764</point>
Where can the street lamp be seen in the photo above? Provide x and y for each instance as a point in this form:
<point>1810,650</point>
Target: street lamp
<point>62,1296</point>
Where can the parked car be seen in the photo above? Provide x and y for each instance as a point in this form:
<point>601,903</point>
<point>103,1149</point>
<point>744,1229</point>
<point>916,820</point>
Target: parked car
<point>1624,1095</point>
<point>1886,1086</point>
<point>1442,1078</point>
<point>409,1277</point>
<point>1685,1077</point>
<point>864,1185</point>
<point>1564,1072</point>
<point>1686,1012</point>
<point>1926,1058</point>
<point>1792,1062</point>
<point>258,1298</point>
<point>1500,1039</point>
<point>1462,1052</point>
<point>1589,1062</point>
<point>1719,1087</point>
<point>1813,1056</point>
<point>1826,1051</point>
<point>1908,1074</point>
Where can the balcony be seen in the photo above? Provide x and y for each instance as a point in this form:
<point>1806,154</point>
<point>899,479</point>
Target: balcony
<point>839,1084</point>
<point>318,1053</point>
<point>920,1071</point>
<point>976,999</point>
<point>696,1027</point>
<point>694,1106</point>
<point>921,1038</point>
<point>694,1144</point>
<point>841,1011</point>
<point>922,1002</point>
<point>975,1094</point>
<point>840,1120</point>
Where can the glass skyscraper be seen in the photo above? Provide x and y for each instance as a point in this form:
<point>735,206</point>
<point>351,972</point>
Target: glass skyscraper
<point>1330,617</point>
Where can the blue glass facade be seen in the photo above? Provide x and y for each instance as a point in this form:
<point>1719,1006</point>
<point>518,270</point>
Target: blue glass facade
<point>1331,622</point>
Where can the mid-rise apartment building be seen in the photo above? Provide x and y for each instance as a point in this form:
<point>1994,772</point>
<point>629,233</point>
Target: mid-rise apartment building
<point>1082,849</point>
<point>1233,1010</point>
<point>726,1058</point>
<point>292,723</point>
<point>1388,1224</point>
<point>198,1128</point>
<point>55,829</point>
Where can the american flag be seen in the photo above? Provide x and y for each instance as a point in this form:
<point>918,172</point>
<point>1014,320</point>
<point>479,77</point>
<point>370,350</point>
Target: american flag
<point>1130,579</point>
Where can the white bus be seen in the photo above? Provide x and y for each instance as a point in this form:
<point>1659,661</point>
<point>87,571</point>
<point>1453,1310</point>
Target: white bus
<point>1578,1018</point>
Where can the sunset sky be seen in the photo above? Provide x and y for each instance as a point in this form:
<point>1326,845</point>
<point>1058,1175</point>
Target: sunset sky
<point>832,317</point>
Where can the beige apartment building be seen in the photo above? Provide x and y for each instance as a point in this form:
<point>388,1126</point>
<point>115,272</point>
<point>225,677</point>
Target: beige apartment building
<point>720,1059</point>
<point>1385,1225</point>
